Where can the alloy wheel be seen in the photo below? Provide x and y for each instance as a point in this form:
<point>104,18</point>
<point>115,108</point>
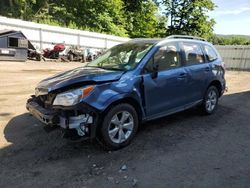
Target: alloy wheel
<point>211,101</point>
<point>120,127</point>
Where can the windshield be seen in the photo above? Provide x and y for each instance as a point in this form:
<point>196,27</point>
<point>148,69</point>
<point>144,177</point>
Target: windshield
<point>122,57</point>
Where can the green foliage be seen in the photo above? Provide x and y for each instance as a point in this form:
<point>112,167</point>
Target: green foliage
<point>132,18</point>
<point>143,19</point>
<point>119,17</point>
<point>229,40</point>
<point>190,17</point>
<point>102,16</point>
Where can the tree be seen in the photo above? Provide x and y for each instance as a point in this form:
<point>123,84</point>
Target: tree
<point>190,17</point>
<point>229,40</point>
<point>105,16</point>
<point>134,18</point>
<point>143,19</point>
<point>101,15</point>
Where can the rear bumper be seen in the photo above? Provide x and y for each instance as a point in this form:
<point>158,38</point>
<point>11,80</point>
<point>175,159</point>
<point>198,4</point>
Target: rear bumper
<point>224,88</point>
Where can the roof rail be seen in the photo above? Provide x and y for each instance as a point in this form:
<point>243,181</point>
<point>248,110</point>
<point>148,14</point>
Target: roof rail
<point>185,37</point>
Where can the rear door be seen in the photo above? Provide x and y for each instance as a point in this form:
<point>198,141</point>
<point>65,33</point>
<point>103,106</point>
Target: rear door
<point>198,71</point>
<point>165,92</point>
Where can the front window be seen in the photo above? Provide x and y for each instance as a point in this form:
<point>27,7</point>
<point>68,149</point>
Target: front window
<point>122,57</point>
<point>167,57</point>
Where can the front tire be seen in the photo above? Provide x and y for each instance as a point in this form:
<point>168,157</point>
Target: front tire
<point>119,126</point>
<point>210,101</point>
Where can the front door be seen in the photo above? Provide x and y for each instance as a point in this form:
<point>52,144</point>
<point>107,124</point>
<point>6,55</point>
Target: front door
<point>166,91</point>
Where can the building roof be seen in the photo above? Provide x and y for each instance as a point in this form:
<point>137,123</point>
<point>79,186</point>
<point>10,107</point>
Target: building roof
<point>6,32</point>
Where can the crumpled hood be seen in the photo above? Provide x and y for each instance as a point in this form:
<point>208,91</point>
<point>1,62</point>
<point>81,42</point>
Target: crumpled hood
<point>78,75</point>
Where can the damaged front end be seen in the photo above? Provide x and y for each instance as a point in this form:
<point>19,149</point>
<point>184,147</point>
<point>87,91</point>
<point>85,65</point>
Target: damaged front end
<point>78,121</point>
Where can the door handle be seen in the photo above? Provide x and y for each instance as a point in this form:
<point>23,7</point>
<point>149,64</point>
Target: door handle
<point>182,75</point>
<point>207,69</point>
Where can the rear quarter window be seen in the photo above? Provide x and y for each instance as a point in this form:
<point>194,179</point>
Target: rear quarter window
<point>210,53</point>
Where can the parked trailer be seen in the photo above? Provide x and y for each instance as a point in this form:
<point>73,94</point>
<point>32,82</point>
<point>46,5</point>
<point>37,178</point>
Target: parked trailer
<point>13,45</point>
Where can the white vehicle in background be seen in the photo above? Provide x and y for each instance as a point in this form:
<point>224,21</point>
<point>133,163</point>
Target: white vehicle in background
<point>92,53</point>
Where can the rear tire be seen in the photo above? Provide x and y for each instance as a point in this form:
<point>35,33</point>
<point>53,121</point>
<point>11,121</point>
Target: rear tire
<point>38,57</point>
<point>210,100</point>
<point>71,57</point>
<point>119,127</point>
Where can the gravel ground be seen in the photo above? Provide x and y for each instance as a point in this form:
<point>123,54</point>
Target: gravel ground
<point>181,150</point>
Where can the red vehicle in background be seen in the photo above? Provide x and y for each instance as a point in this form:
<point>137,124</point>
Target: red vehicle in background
<point>54,53</point>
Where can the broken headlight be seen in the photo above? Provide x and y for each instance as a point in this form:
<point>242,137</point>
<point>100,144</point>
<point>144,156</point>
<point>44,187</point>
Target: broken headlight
<point>73,97</point>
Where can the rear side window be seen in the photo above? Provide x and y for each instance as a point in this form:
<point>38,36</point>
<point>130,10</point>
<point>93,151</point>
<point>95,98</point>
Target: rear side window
<point>210,53</point>
<point>194,54</point>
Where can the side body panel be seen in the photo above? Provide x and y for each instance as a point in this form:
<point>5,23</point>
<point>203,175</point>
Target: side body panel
<point>172,91</point>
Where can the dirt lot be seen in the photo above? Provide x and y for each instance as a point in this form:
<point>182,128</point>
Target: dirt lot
<point>182,150</point>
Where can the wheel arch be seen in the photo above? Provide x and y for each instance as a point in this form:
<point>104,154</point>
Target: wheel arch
<point>128,100</point>
<point>217,84</point>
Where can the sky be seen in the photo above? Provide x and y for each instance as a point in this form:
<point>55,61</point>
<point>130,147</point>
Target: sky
<point>232,17</point>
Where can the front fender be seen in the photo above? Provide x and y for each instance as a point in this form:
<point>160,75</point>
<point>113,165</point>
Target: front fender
<point>104,101</point>
<point>104,97</point>
<point>129,86</point>
<point>119,97</point>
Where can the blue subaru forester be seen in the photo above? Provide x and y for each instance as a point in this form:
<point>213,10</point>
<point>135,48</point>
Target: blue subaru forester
<point>131,83</point>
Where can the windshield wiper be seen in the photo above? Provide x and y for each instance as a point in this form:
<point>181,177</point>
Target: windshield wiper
<point>107,68</point>
<point>110,68</point>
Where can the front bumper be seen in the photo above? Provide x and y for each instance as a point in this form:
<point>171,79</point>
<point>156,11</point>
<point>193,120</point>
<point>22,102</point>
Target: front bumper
<point>48,117</point>
<point>80,119</point>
